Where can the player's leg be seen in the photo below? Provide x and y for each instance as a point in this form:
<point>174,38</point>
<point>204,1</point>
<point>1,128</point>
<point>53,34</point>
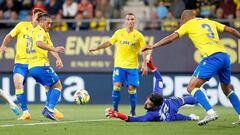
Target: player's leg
<point>194,89</point>
<point>207,68</point>
<point>54,92</point>
<point>175,103</point>
<point>133,99</point>
<point>118,80</point>
<point>224,75</point>
<point>189,100</point>
<point>47,77</point>
<point>7,99</point>
<point>231,95</point>
<point>20,74</point>
<point>132,83</point>
<point>158,88</point>
<point>56,112</point>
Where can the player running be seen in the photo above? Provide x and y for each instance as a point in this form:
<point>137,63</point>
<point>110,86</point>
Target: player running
<point>204,35</point>
<point>158,108</point>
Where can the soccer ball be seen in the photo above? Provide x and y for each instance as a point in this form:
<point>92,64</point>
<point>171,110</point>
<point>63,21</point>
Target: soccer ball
<point>81,96</point>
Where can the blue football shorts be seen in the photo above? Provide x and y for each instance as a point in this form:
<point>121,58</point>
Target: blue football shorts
<point>44,75</point>
<point>126,76</point>
<point>21,69</point>
<point>217,63</point>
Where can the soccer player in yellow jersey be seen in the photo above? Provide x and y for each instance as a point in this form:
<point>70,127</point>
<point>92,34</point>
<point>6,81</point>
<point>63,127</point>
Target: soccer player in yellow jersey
<point>20,70</point>
<point>128,42</point>
<point>39,65</point>
<point>204,35</point>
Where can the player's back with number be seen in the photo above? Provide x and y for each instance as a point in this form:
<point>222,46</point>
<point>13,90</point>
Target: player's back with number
<point>204,35</point>
<point>22,31</point>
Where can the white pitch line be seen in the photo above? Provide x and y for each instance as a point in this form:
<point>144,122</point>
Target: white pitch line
<point>52,123</point>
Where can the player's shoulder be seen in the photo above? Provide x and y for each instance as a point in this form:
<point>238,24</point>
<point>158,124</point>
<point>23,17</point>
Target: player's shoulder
<point>138,33</point>
<point>120,30</point>
<point>24,23</point>
<point>38,29</point>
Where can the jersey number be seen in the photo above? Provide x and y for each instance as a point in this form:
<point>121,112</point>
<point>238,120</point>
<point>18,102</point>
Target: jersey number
<point>210,32</point>
<point>30,46</point>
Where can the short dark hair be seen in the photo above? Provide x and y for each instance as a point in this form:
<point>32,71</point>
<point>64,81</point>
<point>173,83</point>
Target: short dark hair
<point>42,16</point>
<point>130,14</point>
<point>156,98</point>
<point>37,10</point>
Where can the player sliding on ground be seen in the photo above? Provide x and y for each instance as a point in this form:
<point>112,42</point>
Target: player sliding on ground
<point>158,108</point>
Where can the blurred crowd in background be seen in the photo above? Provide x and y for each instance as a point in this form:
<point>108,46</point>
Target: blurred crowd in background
<point>107,14</point>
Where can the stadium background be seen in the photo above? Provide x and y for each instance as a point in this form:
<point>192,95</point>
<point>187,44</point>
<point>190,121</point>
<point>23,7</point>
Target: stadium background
<point>94,72</point>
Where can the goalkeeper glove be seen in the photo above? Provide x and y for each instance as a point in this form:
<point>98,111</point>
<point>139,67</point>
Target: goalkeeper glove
<point>110,113</point>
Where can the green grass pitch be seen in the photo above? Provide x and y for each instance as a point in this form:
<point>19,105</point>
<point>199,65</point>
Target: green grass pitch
<point>90,120</point>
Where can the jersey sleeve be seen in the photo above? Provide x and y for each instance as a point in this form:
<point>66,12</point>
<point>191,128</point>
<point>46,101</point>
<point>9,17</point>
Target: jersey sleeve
<point>178,117</point>
<point>220,27</point>
<point>142,41</point>
<point>149,116</point>
<point>114,38</point>
<point>182,30</point>
<point>15,31</point>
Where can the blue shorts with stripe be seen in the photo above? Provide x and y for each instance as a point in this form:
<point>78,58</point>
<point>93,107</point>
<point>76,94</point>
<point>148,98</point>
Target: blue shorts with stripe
<point>44,75</point>
<point>21,69</point>
<point>217,63</point>
<point>126,76</point>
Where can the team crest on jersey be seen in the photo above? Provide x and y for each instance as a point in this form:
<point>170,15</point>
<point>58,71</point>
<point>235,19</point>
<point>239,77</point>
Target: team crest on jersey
<point>40,36</point>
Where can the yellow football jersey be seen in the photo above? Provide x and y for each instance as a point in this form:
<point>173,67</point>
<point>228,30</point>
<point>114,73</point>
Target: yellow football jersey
<point>204,35</point>
<point>22,30</point>
<point>127,48</point>
<point>38,56</point>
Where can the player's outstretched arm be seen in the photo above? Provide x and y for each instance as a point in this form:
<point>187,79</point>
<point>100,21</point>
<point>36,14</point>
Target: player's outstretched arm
<point>144,64</point>
<point>6,42</point>
<point>232,31</point>
<point>59,49</point>
<point>101,46</point>
<point>110,113</point>
<point>162,42</point>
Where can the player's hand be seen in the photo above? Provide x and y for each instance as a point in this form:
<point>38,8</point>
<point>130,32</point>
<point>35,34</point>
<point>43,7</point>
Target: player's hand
<point>3,49</point>
<point>110,113</point>
<point>91,50</point>
<point>59,63</point>
<point>59,49</point>
<point>147,47</point>
<point>144,70</point>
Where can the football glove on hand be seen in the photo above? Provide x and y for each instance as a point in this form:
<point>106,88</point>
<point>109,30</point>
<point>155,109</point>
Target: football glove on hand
<point>110,113</point>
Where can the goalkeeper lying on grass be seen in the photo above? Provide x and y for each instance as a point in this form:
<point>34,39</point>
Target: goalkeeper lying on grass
<point>158,108</point>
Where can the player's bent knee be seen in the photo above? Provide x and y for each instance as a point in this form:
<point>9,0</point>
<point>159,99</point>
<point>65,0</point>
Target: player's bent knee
<point>116,88</point>
<point>132,91</point>
<point>18,81</point>
<point>57,85</point>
